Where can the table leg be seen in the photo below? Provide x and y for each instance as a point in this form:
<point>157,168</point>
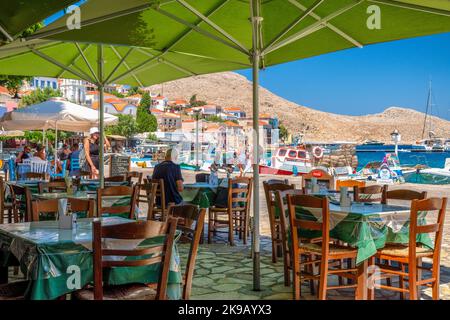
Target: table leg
<point>361,290</point>
<point>3,275</point>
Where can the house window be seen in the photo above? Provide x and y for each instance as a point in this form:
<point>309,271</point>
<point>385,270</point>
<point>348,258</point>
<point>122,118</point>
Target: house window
<point>42,84</point>
<point>54,85</point>
<point>48,84</point>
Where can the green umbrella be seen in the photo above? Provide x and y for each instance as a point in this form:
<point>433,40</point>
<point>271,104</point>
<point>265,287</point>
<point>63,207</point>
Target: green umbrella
<point>141,42</point>
<point>16,16</point>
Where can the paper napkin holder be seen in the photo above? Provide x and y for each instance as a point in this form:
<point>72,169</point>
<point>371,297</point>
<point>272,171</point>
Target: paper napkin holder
<point>65,220</point>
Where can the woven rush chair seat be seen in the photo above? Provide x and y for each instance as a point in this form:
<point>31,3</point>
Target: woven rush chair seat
<point>334,248</point>
<point>399,250</point>
<point>14,290</point>
<point>123,292</point>
<point>217,209</point>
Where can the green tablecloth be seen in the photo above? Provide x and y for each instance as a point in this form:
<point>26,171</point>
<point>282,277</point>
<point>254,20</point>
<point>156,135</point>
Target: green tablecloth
<point>367,227</point>
<point>201,194</point>
<point>46,254</point>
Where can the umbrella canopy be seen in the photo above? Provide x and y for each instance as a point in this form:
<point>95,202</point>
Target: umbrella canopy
<point>14,133</point>
<point>16,16</point>
<point>55,114</point>
<point>160,41</point>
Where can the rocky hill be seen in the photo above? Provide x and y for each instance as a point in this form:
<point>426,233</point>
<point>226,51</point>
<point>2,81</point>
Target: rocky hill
<point>231,89</point>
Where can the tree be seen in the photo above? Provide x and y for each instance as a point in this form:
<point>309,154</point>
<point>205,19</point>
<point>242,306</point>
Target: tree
<point>13,83</point>
<point>152,137</point>
<point>39,95</point>
<point>214,118</point>
<point>196,103</point>
<point>284,133</point>
<point>126,126</point>
<point>117,94</point>
<point>146,122</point>
<point>134,90</point>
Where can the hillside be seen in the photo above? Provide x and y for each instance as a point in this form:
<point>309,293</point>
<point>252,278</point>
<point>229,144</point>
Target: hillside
<point>231,89</point>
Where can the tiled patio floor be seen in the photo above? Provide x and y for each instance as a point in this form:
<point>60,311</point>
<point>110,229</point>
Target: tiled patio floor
<point>225,273</point>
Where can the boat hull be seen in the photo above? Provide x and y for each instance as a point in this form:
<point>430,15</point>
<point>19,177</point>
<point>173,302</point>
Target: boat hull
<point>274,171</point>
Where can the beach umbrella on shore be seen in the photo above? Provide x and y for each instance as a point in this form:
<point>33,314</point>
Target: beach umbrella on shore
<point>146,42</point>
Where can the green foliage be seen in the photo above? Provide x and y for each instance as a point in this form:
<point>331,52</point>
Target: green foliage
<point>152,137</point>
<point>133,91</point>
<point>284,133</point>
<point>117,94</point>
<point>146,122</point>
<point>126,126</point>
<point>196,103</point>
<point>36,136</point>
<point>214,119</point>
<point>39,95</point>
<point>13,83</point>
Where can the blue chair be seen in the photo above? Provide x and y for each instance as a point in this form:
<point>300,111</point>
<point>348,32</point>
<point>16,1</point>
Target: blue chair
<point>62,174</point>
<point>74,164</point>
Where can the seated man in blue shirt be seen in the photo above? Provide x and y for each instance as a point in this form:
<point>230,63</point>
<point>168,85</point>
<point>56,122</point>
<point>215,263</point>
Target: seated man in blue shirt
<point>173,180</point>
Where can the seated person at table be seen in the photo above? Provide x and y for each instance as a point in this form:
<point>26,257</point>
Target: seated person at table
<point>171,174</point>
<point>40,152</point>
<point>64,153</point>
<point>25,154</point>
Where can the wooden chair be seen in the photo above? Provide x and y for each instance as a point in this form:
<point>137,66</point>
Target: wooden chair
<point>236,212</point>
<point>159,210</point>
<point>281,200</point>
<point>404,194</point>
<point>14,290</point>
<point>117,191</point>
<point>372,194</point>
<point>115,179</point>
<point>411,253</point>
<point>159,254</point>
<point>349,184</point>
<point>51,207</point>
<point>148,197</point>
<point>21,203</point>
<point>327,251</point>
<point>5,206</point>
<point>324,179</point>
<point>189,215</point>
<point>83,174</point>
<point>55,186</point>
<point>34,176</point>
<point>274,222</point>
<point>134,174</point>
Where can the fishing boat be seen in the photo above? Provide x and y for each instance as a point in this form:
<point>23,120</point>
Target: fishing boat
<point>291,159</point>
<point>426,175</point>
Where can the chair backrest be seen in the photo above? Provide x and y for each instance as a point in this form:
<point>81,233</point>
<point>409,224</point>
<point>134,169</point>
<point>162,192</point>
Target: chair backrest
<point>115,179</point>
<point>21,195</point>
<point>375,193</point>
<point>190,222</point>
<point>281,203</point>
<point>239,193</point>
<point>34,176</point>
<point>324,179</point>
<point>202,177</point>
<point>298,223</point>
<point>2,199</point>
<point>39,166</point>
<point>277,181</point>
<point>349,184</point>
<point>148,197</point>
<point>51,207</point>
<point>404,194</point>
<point>420,208</point>
<point>121,209</point>
<point>270,191</point>
<point>142,256</point>
<point>160,192</point>
<point>53,186</point>
<point>134,174</point>
<point>74,164</point>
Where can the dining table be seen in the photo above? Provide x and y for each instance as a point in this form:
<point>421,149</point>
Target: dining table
<point>365,226</point>
<point>51,257</point>
<point>202,194</point>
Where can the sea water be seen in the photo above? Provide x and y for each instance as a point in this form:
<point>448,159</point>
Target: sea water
<point>407,159</point>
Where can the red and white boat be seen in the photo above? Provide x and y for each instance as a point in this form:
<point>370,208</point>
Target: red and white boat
<point>289,160</point>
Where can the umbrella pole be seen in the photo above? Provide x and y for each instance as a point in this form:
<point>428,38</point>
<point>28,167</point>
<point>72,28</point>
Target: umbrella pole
<point>255,75</point>
<point>101,90</point>
<point>56,148</point>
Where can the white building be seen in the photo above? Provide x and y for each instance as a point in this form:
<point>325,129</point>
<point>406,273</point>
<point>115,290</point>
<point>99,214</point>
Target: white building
<point>72,90</point>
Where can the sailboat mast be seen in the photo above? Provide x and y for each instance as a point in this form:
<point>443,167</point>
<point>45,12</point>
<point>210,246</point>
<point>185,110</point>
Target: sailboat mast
<point>427,111</point>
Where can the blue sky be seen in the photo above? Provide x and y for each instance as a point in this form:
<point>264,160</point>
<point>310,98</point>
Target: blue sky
<point>368,80</point>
